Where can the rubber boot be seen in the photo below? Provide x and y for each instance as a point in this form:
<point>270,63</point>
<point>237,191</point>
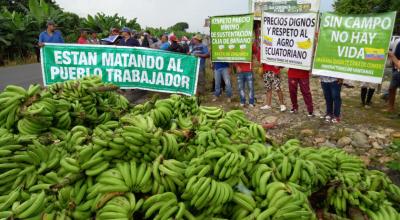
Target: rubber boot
<point>370,95</point>
<point>363,95</point>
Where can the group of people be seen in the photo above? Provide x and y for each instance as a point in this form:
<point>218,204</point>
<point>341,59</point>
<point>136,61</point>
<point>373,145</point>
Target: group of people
<point>271,75</point>
<point>297,78</point>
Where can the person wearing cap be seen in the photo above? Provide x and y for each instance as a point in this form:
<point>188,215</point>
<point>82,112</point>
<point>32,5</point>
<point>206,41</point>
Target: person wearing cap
<point>164,42</point>
<point>127,39</point>
<point>146,40</point>
<point>51,35</point>
<point>200,50</point>
<point>174,46</point>
<point>185,45</point>
<point>83,38</point>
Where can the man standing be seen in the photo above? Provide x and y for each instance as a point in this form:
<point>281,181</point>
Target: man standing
<point>201,51</point>
<point>51,35</point>
<point>83,38</point>
<point>245,77</point>
<point>127,39</point>
<point>222,72</point>
<point>164,42</point>
<point>300,78</point>
<point>185,45</point>
<point>395,82</point>
<point>174,47</point>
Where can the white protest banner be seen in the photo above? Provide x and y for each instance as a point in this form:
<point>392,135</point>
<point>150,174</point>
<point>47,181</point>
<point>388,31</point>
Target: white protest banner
<point>288,6</point>
<point>288,39</point>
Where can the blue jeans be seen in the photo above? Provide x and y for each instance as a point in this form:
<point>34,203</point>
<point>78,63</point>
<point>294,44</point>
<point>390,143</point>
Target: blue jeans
<point>332,97</point>
<point>220,74</point>
<point>242,79</point>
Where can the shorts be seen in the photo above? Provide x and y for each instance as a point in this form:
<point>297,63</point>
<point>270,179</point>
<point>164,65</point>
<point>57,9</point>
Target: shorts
<point>395,82</point>
<point>272,80</point>
<point>369,85</point>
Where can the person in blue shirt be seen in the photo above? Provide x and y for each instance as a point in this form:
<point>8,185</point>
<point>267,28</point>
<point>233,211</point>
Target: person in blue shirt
<point>222,72</point>
<point>51,35</point>
<point>200,50</point>
<point>127,39</point>
<point>395,81</point>
<point>164,42</point>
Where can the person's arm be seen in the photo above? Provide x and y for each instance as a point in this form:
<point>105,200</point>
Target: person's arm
<point>238,69</point>
<point>41,43</point>
<point>61,39</point>
<point>203,54</point>
<point>396,62</point>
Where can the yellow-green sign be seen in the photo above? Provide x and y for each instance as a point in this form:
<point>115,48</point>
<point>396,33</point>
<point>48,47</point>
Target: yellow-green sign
<point>354,47</point>
<point>232,38</point>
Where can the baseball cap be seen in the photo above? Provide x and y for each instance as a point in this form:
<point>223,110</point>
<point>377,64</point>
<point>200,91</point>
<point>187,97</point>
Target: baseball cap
<point>50,22</point>
<point>125,29</point>
<point>173,38</point>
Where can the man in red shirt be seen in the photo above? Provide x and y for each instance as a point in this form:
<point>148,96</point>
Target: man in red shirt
<point>83,38</point>
<point>245,76</point>
<point>300,78</point>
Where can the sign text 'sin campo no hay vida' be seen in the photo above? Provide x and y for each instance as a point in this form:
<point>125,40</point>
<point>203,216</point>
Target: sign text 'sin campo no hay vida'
<point>126,67</point>
<point>354,47</point>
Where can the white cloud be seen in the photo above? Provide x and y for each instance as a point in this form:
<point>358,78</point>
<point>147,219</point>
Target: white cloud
<point>163,13</point>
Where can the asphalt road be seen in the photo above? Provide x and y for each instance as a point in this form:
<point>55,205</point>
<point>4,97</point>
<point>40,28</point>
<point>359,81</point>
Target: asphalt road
<point>22,75</point>
<point>25,75</point>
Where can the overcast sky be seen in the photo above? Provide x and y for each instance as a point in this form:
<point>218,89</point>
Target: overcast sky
<point>164,13</point>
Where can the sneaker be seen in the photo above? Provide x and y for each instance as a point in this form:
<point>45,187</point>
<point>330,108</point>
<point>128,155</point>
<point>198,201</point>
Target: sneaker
<point>241,105</point>
<point>367,106</point>
<point>310,114</point>
<point>283,108</point>
<point>215,99</point>
<point>251,106</point>
<point>328,118</point>
<point>336,120</point>
<point>266,107</point>
<point>228,100</point>
<point>293,111</point>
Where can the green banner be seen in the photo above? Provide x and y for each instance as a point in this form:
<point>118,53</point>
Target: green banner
<point>126,67</point>
<point>354,47</point>
<point>232,38</point>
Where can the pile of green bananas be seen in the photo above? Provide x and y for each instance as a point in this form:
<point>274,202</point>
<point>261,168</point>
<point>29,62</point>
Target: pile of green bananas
<point>79,150</point>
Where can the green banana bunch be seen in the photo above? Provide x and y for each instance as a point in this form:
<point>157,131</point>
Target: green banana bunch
<point>258,132</point>
<point>78,150</point>
<point>212,113</point>
<point>238,116</point>
<point>11,100</point>
<point>261,176</point>
<point>184,122</point>
<point>385,212</point>
<point>204,192</point>
<point>165,206</point>
<point>169,174</point>
<point>229,165</point>
<point>119,207</point>
<point>284,201</point>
